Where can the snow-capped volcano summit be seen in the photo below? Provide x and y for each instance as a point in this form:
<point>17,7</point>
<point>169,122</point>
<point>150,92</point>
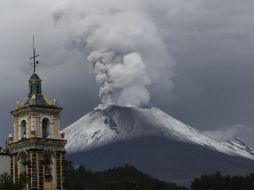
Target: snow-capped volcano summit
<point>154,142</point>
<point>112,124</point>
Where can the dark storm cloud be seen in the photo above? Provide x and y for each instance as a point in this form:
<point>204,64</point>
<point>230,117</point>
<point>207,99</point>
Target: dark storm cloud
<point>210,41</point>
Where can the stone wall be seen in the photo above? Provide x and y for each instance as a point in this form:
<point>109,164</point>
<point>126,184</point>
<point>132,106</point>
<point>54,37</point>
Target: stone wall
<point>5,163</point>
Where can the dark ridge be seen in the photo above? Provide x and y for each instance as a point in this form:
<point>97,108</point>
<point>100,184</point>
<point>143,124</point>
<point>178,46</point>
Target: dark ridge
<point>165,159</point>
<point>117,178</point>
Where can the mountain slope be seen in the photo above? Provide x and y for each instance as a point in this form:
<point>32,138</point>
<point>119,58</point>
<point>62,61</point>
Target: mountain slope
<point>112,124</point>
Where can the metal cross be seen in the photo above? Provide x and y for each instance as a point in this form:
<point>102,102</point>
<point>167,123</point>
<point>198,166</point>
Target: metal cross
<point>35,62</point>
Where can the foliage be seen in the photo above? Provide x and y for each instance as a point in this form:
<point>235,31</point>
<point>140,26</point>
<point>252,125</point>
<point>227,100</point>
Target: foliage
<point>118,178</point>
<point>219,182</point>
<point>6,182</point>
<point>129,178</point>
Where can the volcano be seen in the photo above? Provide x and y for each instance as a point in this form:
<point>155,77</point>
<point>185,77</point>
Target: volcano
<point>155,143</point>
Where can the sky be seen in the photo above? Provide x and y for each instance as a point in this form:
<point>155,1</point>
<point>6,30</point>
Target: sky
<point>196,56</point>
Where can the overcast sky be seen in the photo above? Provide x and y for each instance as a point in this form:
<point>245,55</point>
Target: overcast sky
<point>198,54</point>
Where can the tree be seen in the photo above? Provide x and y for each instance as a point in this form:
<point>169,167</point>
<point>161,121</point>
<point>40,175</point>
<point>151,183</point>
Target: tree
<point>6,182</point>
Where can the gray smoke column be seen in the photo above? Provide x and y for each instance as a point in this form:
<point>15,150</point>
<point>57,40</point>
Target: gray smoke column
<point>122,79</point>
<point>124,48</point>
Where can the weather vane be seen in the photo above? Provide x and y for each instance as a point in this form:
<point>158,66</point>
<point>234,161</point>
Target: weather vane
<point>35,62</point>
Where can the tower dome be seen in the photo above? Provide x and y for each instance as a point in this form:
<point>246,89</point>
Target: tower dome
<point>34,85</point>
<point>35,77</point>
<point>35,96</point>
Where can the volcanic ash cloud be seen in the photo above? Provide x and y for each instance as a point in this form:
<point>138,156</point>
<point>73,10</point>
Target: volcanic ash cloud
<point>124,46</point>
<point>122,78</point>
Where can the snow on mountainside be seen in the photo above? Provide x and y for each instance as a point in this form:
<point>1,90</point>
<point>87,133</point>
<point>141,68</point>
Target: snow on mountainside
<point>104,126</point>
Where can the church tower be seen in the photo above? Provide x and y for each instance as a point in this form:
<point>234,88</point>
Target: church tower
<point>37,144</point>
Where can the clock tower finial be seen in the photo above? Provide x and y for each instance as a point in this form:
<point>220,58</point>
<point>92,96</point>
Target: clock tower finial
<point>35,62</point>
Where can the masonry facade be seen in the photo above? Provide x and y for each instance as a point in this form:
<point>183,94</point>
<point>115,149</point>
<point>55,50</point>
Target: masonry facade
<point>37,144</point>
<point>4,162</point>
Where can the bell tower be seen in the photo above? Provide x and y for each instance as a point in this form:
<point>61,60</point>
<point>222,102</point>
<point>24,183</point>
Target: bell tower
<point>37,144</point>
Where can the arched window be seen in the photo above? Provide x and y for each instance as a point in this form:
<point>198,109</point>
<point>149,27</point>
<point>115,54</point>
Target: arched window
<point>45,128</point>
<point>23,129</point>
<point>48,163</point>
<point>23,162</point>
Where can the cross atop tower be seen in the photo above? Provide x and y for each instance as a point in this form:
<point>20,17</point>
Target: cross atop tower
<point>35,62</point>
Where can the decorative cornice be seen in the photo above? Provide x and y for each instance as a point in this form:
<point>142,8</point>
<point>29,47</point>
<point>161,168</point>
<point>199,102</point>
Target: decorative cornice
<point>37,109</point>
<point>38,143</point>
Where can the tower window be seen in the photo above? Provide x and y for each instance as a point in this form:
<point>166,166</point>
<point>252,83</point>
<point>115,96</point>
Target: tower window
<point>45,128</point>
<point>23,129</point>
<point>48,163</point>
<point>22,163</point>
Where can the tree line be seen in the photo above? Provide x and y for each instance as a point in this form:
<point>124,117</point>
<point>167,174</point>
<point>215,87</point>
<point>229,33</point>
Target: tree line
<point>129,178</point>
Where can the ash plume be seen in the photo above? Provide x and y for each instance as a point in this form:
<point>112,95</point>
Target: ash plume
<point>122,78</point>
<point>124,47</point>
